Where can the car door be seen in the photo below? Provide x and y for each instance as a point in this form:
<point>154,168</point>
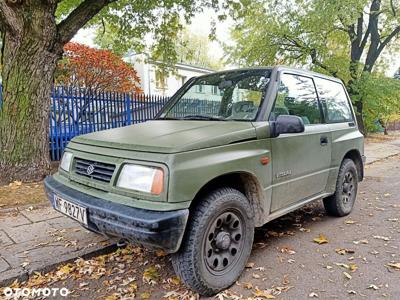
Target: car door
<point>300,162</point>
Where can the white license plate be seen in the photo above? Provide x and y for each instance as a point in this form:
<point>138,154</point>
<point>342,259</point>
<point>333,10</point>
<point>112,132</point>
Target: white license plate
<point>72,210</point>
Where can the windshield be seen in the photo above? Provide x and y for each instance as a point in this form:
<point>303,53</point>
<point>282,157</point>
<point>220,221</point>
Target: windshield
<point>234,95</point>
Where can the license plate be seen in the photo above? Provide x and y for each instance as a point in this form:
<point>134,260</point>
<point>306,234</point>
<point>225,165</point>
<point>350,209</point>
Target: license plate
<point>70,209</point>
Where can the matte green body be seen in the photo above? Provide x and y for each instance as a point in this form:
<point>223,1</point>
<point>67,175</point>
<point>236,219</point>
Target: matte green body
<point>193,153</point>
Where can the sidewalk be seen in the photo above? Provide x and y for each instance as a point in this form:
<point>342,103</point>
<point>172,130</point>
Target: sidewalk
<point>39,239</point>
<point>378,151</point>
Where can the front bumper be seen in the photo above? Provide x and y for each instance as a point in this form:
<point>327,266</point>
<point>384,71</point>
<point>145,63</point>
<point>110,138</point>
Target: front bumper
<point>154,229</point>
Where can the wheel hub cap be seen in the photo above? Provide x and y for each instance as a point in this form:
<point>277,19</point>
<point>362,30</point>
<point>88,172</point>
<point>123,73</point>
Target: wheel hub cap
<point>223,240</point>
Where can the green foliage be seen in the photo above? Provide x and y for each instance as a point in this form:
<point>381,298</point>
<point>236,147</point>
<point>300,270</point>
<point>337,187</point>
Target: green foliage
<point>381,99</point>
<point>136,26</point>
<point>342,38</point>
<point>195,49</point>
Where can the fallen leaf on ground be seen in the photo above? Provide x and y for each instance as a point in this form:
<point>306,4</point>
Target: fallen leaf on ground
<point>151,275</point>
<point>360,242</point>
<point>379,237</point>
<point>350,222</point>
<point>395,265</point>
<point>250,265</point>
<point>321,239</point>
<point>343,251</point>
<point>347,275</point>
<point>161,253</point>
<point>248,285</point>
<point>145,295</point>
<point>373,287</point>
<point>263,294</point>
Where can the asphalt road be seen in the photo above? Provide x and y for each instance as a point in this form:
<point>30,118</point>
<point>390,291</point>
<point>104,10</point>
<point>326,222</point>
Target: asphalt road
<point>357,262</point>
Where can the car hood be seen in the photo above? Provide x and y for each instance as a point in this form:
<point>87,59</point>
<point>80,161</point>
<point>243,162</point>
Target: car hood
<point>170,136</point>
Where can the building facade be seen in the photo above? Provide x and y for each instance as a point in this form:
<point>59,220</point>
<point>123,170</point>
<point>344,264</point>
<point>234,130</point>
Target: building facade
<point>152,81</point>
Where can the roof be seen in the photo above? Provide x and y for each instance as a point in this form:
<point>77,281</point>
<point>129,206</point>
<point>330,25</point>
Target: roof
<point>280,68</point>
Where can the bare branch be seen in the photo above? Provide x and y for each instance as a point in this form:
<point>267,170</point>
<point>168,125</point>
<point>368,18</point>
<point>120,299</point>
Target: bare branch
<point>79,17</point>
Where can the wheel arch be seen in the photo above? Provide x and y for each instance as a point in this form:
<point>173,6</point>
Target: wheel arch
<point>355,156</point>
<point>244,182</point>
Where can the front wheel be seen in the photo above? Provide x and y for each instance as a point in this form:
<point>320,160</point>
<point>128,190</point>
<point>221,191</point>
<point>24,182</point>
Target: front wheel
<point>342,201</point>
<point>217,242</point>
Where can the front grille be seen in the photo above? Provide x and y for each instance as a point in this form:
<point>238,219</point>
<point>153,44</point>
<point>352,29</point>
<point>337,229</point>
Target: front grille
<point>94,169</point>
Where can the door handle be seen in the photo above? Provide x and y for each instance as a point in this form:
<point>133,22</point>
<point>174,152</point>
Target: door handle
<point>323,140</point>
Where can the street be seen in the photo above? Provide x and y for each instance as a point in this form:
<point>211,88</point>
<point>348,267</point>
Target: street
<point>356,257</point>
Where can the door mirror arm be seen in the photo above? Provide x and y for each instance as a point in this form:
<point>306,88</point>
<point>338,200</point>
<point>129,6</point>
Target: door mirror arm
<point>286,124</point>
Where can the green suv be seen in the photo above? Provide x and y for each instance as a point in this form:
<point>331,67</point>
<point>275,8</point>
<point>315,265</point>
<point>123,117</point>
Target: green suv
<point>229,152</point>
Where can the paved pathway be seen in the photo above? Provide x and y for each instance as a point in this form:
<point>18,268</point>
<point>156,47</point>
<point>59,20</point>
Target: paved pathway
<point>39,239</point>
<point>378,151</point>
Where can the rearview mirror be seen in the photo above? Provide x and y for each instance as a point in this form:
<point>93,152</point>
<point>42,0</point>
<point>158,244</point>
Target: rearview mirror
<point>286,124</point>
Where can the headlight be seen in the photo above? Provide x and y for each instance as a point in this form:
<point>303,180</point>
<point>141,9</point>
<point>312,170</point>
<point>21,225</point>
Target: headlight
<point>66,161</point>
<point>141,178</point>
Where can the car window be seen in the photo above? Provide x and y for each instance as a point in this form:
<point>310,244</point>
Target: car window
<point>335,103</point>
<point>297,96</point>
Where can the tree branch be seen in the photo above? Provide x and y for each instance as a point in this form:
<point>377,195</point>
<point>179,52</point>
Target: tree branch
<point>387,40</point>
<point>315,61</point>
<point>393,8</point>
<point>79,17</point>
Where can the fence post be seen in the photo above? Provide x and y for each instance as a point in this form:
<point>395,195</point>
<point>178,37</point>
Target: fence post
<point>128,109</point>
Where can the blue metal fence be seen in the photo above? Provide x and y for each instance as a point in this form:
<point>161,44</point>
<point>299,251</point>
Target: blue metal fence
<point>75,111</point>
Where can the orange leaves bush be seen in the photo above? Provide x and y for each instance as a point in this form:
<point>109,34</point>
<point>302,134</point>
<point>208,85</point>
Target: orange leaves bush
<point>96,69</point>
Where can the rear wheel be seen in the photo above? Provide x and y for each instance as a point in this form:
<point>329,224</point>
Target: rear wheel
<point>341,203</point>
<point>217,243</point>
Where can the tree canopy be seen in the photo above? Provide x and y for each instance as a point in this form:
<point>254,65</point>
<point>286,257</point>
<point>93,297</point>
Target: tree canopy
<point>344,38</point>
<point>34,33</point>
<point>95,69</point>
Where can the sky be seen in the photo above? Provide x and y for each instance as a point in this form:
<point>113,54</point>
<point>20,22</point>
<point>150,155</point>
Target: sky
<point>201,24</point>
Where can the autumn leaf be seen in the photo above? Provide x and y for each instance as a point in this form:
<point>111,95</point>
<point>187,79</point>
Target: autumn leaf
<point>151,275</point>
<point>174,280</point>
<point>343,251</point>
<point>395,265</point>
<point>263,294</point>
<point>248,285</point>
<point>347,275</point>
<point>321,239</point>
<point>145,295</point>
<point>161,253</point>
<point>250,265</point>
<point>348,222</point>
<point>112,297</point>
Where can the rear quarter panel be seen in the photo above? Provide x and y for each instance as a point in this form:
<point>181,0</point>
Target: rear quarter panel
<point>344,139</point>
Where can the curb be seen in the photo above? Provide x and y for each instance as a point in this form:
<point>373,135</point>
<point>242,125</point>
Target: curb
<point>383,158</point>
<point>25,275</point>
<point>23,207</point>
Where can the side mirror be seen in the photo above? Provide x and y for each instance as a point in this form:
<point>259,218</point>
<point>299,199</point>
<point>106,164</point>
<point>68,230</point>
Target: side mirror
<point>286,124</point>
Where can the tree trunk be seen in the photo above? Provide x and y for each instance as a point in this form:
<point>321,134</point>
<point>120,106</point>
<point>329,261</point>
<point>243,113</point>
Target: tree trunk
<point>30,55</point>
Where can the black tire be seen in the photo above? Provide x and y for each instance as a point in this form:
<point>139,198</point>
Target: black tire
<point>217,242</point>
<point>341,203</point>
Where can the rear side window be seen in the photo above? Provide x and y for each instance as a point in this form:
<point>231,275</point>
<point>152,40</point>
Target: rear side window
<point>335,103</point>
<point>297,96</point>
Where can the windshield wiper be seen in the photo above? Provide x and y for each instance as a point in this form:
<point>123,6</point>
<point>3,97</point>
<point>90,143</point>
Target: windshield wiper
<point>202,117</point>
